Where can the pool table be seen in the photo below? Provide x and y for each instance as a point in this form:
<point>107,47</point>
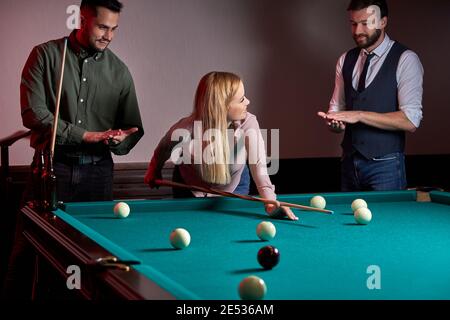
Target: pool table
<point>403,253</point>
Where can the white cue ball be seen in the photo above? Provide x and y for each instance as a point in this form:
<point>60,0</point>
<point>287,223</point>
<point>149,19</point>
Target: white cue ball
<point>121,210</point>
<point>180,238</point>
<point>358,203</point>
<point>363,215</point>
<point>252,288</point>
<point>318,202</point>
<point>266,230</point>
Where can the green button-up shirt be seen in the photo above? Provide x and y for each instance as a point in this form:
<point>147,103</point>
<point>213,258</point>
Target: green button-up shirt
<point>97,94</point>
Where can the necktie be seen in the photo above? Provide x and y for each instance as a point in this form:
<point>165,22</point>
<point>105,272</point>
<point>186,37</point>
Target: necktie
<point>362,77</point>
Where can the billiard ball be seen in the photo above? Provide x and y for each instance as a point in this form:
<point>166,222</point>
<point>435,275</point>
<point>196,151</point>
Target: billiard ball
<point>318,202</point>
<point>121,210</point>
<point>252,288</point>
<point>268,257</point>
<point>363,215</point>
<point>358,203</point>
<point>266,230</point>
<point>180,238</point>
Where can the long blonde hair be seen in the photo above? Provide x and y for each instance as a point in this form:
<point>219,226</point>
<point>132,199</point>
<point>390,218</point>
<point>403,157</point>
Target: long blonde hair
<point>214,94</point>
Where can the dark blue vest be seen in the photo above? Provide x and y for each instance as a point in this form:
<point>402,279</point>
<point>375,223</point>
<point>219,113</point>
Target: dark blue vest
<point>381,97</point>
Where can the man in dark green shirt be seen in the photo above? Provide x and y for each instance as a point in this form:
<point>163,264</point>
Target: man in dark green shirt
<point>99,112</point>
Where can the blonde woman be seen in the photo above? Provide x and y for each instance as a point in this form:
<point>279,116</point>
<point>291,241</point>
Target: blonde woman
<point>213,144</point>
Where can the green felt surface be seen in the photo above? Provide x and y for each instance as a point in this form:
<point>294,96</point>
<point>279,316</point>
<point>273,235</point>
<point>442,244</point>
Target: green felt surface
<point>322,256</point>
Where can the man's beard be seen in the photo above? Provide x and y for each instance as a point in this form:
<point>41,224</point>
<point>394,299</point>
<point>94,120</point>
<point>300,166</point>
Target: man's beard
<point>371,40</point>
<point>94,49</point>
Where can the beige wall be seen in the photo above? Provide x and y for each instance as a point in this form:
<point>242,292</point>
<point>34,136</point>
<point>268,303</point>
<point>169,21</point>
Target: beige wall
<point>285,50</point>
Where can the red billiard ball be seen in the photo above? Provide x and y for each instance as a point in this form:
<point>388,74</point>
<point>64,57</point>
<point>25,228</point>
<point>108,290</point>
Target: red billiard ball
<point>268,257</point>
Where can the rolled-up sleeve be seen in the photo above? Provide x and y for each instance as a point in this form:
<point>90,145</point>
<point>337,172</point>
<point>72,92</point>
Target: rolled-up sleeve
<point>337,102</point>
<point>410,87</point>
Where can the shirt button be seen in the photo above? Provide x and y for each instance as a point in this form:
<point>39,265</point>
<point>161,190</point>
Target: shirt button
<point>81,100</point>
<point>79,121</point>
<point>84,79</point>
<point>86,61</point>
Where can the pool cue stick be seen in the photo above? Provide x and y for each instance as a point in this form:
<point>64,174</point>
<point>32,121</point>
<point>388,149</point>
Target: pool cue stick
<point>58,101</point>
<point>239,196</point>
<point>215,191</point>
<point>50,201</point>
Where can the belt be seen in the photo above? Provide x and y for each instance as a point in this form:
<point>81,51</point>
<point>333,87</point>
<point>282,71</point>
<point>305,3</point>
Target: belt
<point>79,159</point>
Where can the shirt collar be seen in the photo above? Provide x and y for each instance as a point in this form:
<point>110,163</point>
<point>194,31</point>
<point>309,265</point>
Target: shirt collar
<point>234,124</point>
<point>382,48</point>
<point>79,50</point>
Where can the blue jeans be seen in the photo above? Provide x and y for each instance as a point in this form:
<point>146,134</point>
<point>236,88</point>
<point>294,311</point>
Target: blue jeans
<point>384,173</point>
<point>244,184</point>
